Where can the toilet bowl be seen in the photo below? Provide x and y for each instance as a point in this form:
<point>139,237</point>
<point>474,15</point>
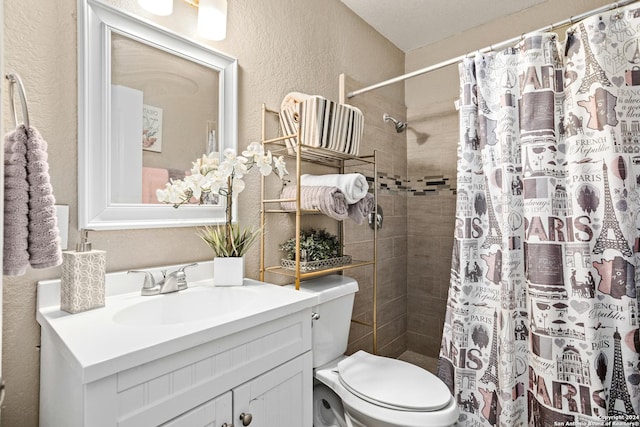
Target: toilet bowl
<point>377,391</point>
<point>365,390</point>
<point>327,407</point>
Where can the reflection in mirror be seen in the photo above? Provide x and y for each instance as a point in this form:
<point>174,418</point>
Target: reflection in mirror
<point>150,102</point>
<point>174,108</point>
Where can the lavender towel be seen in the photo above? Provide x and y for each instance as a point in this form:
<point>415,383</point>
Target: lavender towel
<point>31,234</point>
<point>16,205</point>
<point>44,239</point>
<point>359,210</point>
<point>328,200</point>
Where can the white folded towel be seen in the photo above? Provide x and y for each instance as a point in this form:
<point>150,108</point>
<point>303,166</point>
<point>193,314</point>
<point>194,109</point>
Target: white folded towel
<point>354,186</point>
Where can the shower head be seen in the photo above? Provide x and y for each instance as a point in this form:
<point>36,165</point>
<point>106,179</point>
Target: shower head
<point>400,125</point>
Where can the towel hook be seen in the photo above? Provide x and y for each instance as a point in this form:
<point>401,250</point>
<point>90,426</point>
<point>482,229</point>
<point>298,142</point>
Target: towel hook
<point>14,79</point>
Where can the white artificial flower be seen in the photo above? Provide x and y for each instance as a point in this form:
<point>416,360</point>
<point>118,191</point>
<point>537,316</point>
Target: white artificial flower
<point>255,154</point>
<point>240,168</point>
<point>264,164</point>
<point>253,151</point>
<point>280,166</point>
<point>163,195</point>
<point>230,155</point>
<point>236,164</point>
<point>175,192</point>
<point>217,183</point>
<point>224,170</point>
<point>238,186</point>
<point>208,163</point>
<point>197,184</point>
<point>209,175</point>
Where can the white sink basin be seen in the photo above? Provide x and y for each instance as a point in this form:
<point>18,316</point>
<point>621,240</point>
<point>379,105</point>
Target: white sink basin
<point>131,330</point>
<point>192,305</point>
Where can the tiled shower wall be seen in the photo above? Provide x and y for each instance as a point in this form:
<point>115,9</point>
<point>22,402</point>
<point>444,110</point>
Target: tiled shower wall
<point>392,237</point>
<point>431,181</point>
<point>417,179</point>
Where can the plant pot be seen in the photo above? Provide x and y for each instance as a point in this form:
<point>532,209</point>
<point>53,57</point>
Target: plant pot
<point>228,271</point>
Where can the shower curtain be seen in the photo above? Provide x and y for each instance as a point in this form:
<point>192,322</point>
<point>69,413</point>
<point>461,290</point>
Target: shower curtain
<point>542,318</point>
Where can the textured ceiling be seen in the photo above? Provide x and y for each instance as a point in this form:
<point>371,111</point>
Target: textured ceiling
<point>410,24</point>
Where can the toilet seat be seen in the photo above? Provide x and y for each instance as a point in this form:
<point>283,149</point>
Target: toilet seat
<point>365,413</point>
<point>392,383</point>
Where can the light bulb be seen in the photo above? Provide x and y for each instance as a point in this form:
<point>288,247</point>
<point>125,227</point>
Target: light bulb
<point>212,19</point>
<point>157,7</point>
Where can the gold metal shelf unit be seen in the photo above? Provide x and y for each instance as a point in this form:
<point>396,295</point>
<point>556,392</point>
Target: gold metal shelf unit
<point>318,156</point>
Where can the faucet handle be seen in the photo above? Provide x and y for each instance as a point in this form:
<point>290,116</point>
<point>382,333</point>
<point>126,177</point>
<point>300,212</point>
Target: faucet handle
<point>149,282</point>
<point>181,276</point>
<point>187,266</point>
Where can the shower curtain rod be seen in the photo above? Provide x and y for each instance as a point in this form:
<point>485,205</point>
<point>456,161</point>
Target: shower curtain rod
<point>505,43</point>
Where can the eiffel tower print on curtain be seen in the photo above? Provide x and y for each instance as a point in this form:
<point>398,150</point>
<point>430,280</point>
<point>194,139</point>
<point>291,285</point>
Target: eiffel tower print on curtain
<point>610,225</point>
<point>593,72</point>
<point>494,235</point>
<point>618,390</point>
<point>491,374</point>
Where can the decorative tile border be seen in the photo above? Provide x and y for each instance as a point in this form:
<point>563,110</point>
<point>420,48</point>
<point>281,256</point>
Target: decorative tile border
<point>425,186</point>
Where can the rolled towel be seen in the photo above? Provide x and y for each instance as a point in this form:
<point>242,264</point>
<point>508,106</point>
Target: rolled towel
<point>362,208</point>
<point>44,237</point>
<point>354,186</point>
<point>328,200</point>
<point>16,205</point>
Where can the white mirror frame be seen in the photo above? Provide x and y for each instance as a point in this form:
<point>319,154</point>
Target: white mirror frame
<point>96,22</point>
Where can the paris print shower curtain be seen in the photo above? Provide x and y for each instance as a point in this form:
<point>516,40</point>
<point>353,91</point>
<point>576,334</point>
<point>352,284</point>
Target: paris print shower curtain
<point>542,318</point>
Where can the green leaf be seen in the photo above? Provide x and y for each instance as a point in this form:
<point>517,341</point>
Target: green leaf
<point>229,240</point>
<point>316,244</point>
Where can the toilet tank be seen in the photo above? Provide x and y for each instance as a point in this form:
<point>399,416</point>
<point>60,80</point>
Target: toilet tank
<point>330,334</point>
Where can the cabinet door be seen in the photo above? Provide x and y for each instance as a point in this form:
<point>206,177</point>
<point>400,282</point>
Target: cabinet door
<point>214,413</point>
<point>281,397</point>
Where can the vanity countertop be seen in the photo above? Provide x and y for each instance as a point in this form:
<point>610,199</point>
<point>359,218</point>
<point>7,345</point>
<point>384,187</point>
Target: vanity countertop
<point>100,345</point>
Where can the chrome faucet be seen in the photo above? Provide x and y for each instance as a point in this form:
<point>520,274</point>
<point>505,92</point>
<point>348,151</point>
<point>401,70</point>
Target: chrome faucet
<point>180,276</point>
<point>172,282</point>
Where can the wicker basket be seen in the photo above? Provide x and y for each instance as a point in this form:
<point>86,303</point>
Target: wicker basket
<point>306,266</point>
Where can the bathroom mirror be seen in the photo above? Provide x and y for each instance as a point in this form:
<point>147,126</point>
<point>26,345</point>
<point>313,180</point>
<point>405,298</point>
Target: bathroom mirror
<point>149,103</point>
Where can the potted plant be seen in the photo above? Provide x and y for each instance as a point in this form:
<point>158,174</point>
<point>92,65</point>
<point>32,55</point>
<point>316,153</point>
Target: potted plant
<point>208,176</point>
<point>318,249</point>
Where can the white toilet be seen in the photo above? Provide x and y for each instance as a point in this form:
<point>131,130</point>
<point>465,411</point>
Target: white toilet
<point>363,390</point>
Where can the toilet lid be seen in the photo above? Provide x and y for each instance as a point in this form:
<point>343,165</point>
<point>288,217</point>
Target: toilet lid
<point>392,383</point>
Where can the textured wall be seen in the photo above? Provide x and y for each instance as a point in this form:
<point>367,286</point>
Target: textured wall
<point>282,46</point>
<point>431,162</point>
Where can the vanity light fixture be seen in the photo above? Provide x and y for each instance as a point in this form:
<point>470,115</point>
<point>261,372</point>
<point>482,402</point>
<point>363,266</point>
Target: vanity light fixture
<point>212,19</point>
<point>212,15</point>
<point>157,7</point>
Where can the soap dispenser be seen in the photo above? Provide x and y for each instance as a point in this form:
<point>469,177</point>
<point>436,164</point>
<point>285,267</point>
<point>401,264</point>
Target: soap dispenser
<point>83,277</point>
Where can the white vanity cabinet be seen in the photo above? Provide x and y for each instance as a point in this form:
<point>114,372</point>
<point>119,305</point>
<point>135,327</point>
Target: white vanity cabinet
<point>211,413</point>
<point>272,399</point>
<point>255,365</point>
<point>264,371</point>
<point>278,397</point>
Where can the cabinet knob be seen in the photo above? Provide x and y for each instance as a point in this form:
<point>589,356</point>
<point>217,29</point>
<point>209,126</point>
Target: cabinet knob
<point>246,419</point>
<point>226,425</point>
